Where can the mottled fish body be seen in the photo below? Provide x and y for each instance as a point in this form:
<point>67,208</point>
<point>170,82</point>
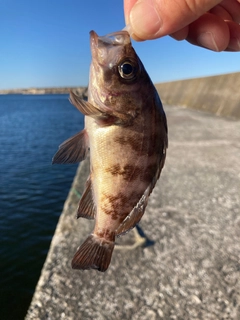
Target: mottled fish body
<point>126,132</point>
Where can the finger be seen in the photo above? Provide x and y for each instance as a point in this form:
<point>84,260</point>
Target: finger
<point>233,8</point>
<point>234,42</point>
<point>221,12</point>
<point>180,34</point>
<point>128,4</point>
<point>151,19</point>
<point>209,31</point>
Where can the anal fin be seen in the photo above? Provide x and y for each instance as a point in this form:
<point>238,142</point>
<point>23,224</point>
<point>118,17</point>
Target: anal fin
<point>86,208</point>
<point>94,253</point>
<point>73,150</point>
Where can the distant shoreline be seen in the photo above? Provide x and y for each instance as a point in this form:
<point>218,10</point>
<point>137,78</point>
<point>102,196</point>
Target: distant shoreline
<point>61,90</point>
<point>215,94</point>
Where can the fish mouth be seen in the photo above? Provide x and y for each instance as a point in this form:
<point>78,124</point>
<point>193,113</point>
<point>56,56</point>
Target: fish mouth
<point>121,38</point>
<point>101,46</point>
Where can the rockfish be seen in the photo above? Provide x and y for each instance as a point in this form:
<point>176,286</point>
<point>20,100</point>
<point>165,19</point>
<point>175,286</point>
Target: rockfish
<point>126,135</point>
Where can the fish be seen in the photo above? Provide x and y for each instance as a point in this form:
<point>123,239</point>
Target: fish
<point>125,136</point>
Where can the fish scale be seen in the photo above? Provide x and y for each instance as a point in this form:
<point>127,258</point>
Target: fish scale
<point>126,133</point>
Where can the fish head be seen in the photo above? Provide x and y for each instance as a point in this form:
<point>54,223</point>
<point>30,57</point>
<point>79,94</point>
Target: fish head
<point>116,73</point>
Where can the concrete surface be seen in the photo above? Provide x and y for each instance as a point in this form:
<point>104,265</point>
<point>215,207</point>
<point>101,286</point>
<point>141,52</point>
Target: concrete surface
<point>191,268</point>
<point>219,95</point>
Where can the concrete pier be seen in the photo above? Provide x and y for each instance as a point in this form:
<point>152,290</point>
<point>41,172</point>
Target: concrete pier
<point>191,266</point>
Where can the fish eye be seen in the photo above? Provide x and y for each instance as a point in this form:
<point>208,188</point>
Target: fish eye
<point>127,70</point>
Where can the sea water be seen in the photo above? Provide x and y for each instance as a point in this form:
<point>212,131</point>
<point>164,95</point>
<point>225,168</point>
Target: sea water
<point>32,191</point>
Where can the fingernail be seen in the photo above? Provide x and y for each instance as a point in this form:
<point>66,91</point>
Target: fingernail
<point>207,40</point>
<point>145,20</point>
<point>127,28</point>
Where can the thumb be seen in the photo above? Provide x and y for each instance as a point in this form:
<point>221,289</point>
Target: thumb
<point>151,19</point>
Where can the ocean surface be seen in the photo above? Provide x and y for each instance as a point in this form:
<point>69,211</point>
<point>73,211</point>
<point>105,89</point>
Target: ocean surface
<point>32,190</point>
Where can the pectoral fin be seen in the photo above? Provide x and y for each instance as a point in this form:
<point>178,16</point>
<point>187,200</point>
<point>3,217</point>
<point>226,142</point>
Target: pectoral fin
<point>73,150</point>
<point>135,215</point>
<point>86,208</point>
<point>86,108</point>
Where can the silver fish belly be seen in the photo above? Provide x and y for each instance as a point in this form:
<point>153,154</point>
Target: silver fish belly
<point>126,133</point>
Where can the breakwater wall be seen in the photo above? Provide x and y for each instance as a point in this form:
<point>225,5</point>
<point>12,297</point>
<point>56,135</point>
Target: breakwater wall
<point>219,95</point>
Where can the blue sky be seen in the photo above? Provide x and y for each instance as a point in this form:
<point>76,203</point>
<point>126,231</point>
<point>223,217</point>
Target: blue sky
<point>45,43</point>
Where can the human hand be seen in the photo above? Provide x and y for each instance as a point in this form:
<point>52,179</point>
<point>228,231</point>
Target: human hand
<point>210,24</point>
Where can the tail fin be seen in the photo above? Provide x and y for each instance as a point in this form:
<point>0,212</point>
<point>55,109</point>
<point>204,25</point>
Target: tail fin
<point>94,253</point>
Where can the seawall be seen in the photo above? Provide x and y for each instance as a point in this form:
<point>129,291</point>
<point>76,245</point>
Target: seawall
<point>217,94</point>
